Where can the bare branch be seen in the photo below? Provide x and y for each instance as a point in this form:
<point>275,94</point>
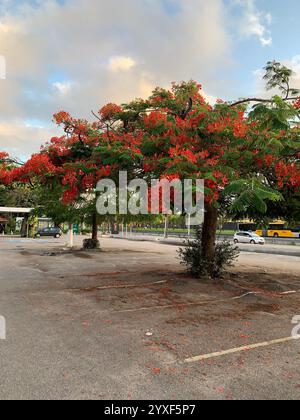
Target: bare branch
<point>96,116</point>
<point>260,100</point>
<point>13,161</point>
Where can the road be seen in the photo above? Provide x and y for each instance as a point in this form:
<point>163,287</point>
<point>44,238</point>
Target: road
<point>278,248</point>
<point>125,322</point>
<point>274,241</point>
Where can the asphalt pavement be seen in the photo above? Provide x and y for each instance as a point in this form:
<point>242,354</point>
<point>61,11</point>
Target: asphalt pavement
<point>124,323</point>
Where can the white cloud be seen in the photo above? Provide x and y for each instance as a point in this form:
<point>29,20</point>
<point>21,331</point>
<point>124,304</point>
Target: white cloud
<point>63,88</point>
<point>2,68</point>
<point>294,64</point>
<point>255,23</point>
<point>117,64</point>
<point>260,85</point>
<point>22,138</point>
<point>209,98</point>
<point>107,52</point>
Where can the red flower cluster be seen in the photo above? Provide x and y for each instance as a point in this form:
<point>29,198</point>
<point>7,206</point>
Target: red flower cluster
<point>39,165</point>
<point>109,111</point>
<point>104,172</point>
<point>237,125</point>
<point>240,129</point>
<point>8,176</point>
<point>287,174</point>
<point>62,117</point>
<point>76,181</point>
<point>297,104</point>
<point>3,155</point>
<point>69,196</point>
<point>70,179</point>
<point>190,156</point>
<point>195,118</point>
<point>155,119</point>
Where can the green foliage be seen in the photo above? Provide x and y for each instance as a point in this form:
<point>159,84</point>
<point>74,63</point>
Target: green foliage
<point>278,76</point>
<point>89,244</point>
<point>50,205</point>
<point>10,227</point>
<point>16,195</point>
<point>192,257</point>
<point>277,115</point>
<point>250,196</point>
<point>288,209</point>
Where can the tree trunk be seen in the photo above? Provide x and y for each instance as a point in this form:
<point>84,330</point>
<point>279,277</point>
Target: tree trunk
<point>209,235</point>
<point>24,227</point>
<point>95,227</point>
<point>93,243</point>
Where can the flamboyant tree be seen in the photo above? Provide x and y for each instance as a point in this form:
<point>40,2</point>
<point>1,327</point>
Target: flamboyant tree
<point>247,152</point>
<point>246,156</point>
<point>69,167</point>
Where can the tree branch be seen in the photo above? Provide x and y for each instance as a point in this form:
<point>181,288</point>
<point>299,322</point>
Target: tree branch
<point>260,100</point>
<point>96,116</point>
<point>13,161</point>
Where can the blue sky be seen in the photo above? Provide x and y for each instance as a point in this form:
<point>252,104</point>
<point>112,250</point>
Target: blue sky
<point>77,55</point>
<point>285,32</point>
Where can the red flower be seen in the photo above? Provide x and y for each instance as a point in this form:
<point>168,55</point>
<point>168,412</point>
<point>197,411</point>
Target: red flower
<point>155,119</point>
<point>297,104</point>
<point>70,196</point>
<point>3,155</point>
<point>103,173</point>
<point>70,179</point>
<point>191,157</point>
<point>109,111</point>
<point>269,159</point>
<point>62,117</point>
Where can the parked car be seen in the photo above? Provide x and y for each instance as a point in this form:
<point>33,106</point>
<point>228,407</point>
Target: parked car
<point>53,232</point>
<point>248,238</point>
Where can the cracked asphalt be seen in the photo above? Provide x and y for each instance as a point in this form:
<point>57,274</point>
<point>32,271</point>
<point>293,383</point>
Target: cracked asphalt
<point>119,324</point>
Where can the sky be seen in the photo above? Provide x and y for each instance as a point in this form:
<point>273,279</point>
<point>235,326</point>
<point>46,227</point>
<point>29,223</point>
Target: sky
<point>77,55</point>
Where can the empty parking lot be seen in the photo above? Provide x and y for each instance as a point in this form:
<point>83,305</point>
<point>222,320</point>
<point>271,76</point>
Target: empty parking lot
<point>128,323</point>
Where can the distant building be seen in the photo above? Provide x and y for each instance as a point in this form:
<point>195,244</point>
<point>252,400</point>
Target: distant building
<point>18,214</point>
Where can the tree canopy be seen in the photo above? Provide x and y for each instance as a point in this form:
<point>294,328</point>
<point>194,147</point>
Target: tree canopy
<point>248,152</point>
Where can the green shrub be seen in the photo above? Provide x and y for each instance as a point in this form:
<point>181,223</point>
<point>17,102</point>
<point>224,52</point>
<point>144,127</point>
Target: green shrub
<point>91,244</point>
<point>192,257</point>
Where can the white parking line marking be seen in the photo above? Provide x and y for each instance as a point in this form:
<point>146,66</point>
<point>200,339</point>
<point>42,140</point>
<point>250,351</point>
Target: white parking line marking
<point>122,286</point>
<point>186,305</point>
<point>240,349</point>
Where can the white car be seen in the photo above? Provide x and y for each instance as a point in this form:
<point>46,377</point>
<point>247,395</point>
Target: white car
<point>248,238</point>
